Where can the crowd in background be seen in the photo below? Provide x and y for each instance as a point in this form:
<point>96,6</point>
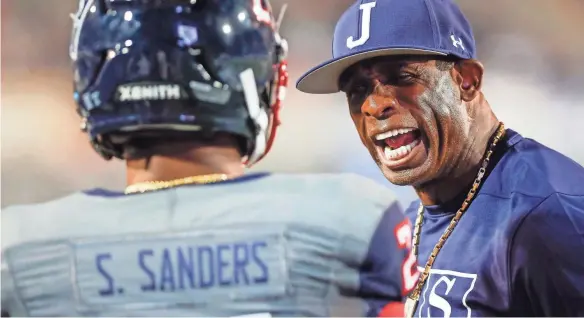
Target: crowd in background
<point>532,51</point>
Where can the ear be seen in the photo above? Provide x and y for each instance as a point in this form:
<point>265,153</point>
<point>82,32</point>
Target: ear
<point>469,78</point>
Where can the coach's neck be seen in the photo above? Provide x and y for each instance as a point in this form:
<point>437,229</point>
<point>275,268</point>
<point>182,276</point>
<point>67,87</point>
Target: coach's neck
<point>459,179</point>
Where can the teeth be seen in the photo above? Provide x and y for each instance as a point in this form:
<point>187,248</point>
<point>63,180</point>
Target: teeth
<point>399,152</point>
<point>392,133</point>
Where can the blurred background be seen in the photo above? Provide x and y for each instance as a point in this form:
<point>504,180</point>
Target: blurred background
<point>532,50</point>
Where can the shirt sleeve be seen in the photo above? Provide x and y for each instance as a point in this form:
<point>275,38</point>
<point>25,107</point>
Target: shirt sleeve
<point>11,302</point>
<point>389,270</point>
<point>547,259</point>
<point>9,299</point>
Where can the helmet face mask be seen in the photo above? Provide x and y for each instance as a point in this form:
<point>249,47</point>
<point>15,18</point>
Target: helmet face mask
<point>174,67</point>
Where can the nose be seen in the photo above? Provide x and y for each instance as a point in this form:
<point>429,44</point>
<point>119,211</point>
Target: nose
<point>379,104</point>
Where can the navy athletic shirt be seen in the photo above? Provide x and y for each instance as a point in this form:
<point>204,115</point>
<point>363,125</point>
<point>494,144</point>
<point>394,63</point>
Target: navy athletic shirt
<point>519,248</point>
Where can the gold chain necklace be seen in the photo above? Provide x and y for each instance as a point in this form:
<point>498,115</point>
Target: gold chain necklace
<point>412,300</point>
<point>147,186</point>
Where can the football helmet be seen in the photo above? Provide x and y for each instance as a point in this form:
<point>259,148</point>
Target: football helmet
<point>188,68</point>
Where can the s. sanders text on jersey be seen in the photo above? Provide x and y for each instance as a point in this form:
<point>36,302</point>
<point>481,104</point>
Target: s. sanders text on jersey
<point>191,267</point>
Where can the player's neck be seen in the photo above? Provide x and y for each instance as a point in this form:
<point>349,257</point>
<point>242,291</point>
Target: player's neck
<point>202,160</point>
<point>446,188</point>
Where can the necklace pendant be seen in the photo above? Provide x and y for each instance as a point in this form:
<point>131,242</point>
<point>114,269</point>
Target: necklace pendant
<point>410,307</point>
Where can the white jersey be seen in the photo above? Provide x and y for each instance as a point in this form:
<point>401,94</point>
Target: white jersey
<point>275,244</point>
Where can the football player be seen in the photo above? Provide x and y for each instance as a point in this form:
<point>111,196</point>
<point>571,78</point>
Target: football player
<point>187,92</point>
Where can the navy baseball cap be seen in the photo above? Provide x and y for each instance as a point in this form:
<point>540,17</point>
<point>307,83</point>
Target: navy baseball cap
<point>391,27</point>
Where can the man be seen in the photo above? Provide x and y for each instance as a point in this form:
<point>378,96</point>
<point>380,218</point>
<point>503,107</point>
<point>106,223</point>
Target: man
<point>183,91</point>
<point>499,226</point>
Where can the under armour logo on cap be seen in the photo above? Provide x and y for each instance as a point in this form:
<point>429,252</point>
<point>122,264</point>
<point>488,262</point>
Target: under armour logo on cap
<point>457,42</point>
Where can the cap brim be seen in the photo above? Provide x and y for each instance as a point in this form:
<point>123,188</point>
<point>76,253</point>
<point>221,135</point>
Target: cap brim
<point>324,79</point>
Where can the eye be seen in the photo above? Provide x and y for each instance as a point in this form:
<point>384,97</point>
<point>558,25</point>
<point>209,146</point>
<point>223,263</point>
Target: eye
<point>357,91</point>
<point>405,77</point>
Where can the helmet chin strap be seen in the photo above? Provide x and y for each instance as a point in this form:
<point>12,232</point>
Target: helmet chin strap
<point>264,138</point>
<point>257,114</point>
<point>260,116</point>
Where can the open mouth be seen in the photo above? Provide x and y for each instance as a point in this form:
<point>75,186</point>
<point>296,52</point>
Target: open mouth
<point>397,144</point>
